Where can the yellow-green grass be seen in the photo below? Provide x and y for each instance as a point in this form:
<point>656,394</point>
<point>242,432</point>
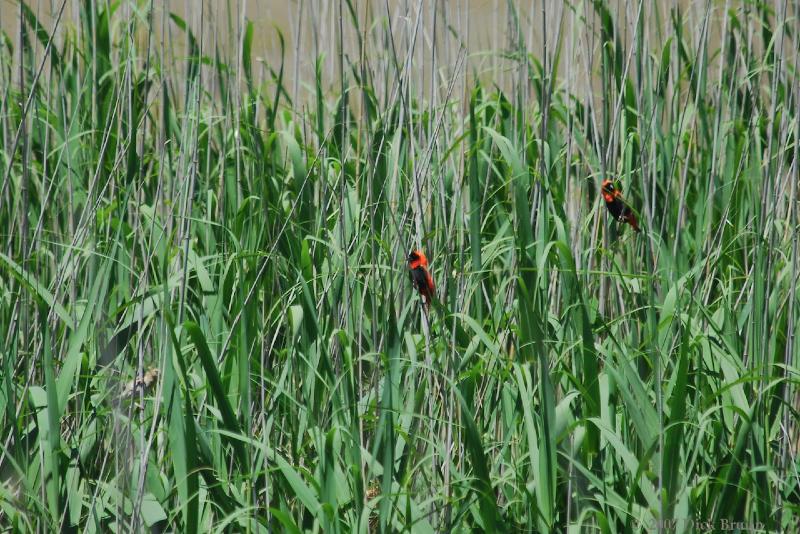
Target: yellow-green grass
<point>205,319</point>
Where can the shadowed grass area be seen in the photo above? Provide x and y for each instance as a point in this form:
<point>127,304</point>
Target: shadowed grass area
<point>206,317</point>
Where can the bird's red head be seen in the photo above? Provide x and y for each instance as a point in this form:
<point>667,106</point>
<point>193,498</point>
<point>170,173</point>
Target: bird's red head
<point>609,191</point>
<point>417,258</point>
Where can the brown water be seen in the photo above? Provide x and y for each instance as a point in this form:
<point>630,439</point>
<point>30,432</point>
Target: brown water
<point>482,31</point>
<point>309,27</point>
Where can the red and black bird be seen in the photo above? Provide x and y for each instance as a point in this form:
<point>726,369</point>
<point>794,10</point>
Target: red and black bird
<point>420,277</point>
<point>617,206</point>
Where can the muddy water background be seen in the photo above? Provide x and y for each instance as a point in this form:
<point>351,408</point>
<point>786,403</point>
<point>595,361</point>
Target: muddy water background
<point>393,41</point>
<point>309,27</point>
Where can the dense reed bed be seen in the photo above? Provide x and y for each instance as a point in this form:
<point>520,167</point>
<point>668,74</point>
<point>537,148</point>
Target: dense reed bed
<point>207,323</point>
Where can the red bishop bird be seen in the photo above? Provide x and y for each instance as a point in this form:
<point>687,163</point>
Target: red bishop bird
<point>617,206</point>
<point>420,277</point>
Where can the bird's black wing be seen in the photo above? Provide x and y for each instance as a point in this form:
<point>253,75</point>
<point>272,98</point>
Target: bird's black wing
<point>617,208</point>
<point>419,279</point>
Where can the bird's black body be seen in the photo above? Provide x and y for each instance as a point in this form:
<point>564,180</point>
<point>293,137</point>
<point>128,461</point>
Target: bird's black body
<point>618,210</point>
<point>419,277</point>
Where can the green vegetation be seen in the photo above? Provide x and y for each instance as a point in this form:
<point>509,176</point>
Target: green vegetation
<point>206,322</point>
